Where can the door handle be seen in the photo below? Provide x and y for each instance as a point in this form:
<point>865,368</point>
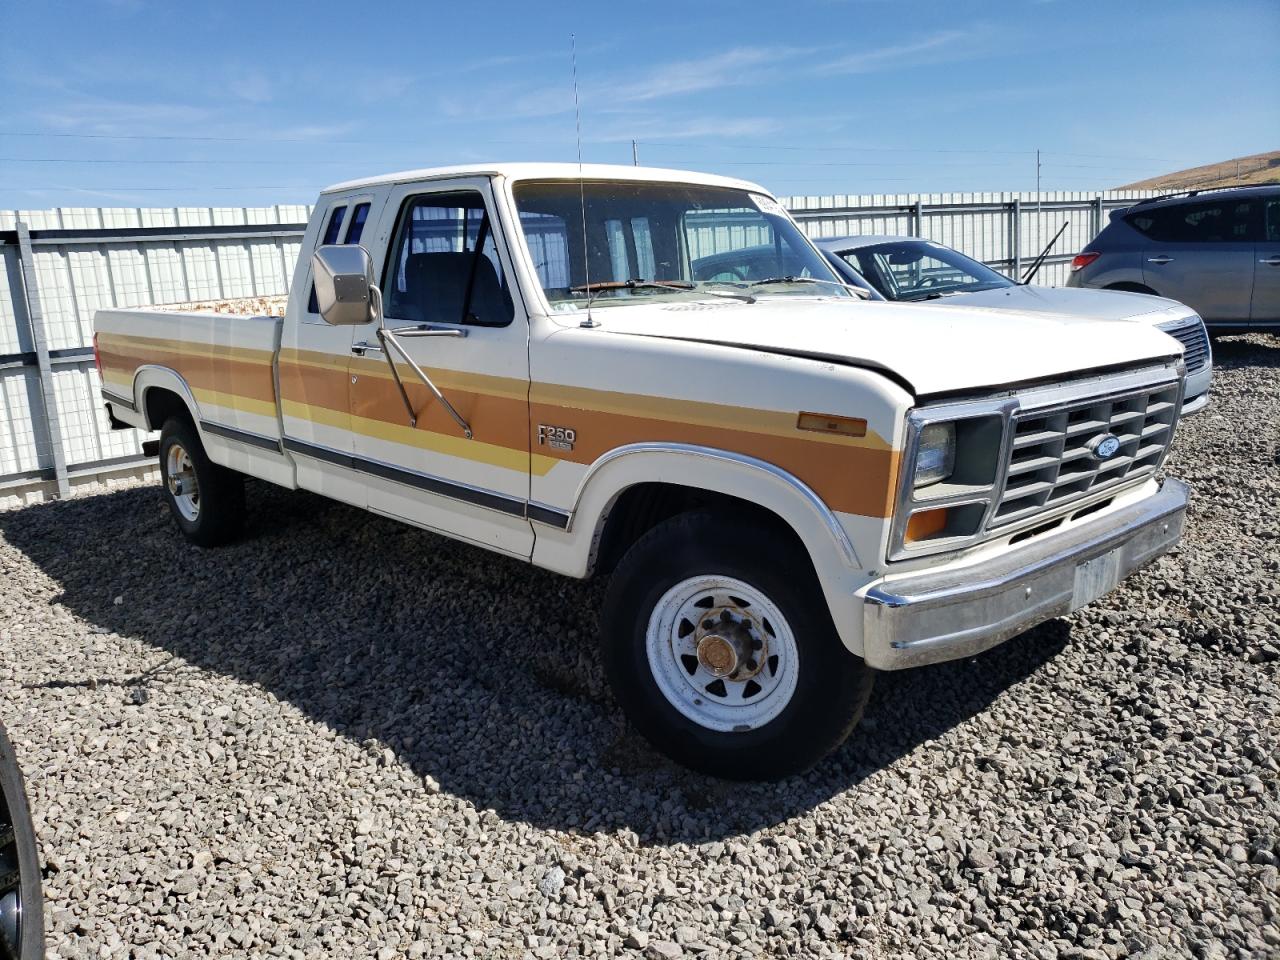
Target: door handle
<point>364,346</point>
<point>1271,261</point>
<point>1162,259</point>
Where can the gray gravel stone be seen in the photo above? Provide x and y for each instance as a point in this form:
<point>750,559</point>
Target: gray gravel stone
<point>361,740</point>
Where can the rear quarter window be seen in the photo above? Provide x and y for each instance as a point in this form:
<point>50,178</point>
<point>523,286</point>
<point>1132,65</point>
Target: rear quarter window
<point>1218,221</point>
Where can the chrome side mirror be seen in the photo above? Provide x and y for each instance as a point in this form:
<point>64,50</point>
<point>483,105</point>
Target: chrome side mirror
<point>343,278</point>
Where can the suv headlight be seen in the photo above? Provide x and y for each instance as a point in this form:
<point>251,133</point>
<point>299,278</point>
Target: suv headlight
<point>936,454</point>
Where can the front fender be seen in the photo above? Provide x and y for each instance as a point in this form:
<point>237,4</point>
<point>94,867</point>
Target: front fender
<point>834,556</point>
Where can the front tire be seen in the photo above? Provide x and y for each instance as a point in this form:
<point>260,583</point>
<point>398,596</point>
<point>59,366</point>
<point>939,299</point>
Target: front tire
<point>21,901</point>
<point>718,644</point>
<point>206,500</point>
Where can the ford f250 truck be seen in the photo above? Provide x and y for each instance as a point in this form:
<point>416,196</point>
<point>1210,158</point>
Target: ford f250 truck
<point>655,376</point>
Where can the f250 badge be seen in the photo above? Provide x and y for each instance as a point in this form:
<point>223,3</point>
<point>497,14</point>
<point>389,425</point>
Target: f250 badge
<point>558,438</point>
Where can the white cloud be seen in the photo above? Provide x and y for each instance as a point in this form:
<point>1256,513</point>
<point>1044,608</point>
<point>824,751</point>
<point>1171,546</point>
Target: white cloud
<point>739,66</point>
<point>897,55</point>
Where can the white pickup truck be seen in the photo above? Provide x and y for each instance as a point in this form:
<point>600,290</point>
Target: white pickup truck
<point>789,487</point>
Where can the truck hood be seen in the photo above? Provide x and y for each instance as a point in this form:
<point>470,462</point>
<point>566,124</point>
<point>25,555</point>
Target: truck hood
<point>1077,302</point>
<point>934,351</point>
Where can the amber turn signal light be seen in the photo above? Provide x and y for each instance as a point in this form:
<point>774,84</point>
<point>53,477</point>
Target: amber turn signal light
<point>829,423</point>
<point>925,524</point>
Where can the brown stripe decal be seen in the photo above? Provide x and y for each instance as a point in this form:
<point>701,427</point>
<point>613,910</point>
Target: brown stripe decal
<point>849,479</point>
<point>852,474</point>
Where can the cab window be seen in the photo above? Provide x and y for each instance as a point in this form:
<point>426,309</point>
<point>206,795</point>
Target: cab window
<point>444,265</point>
<point>333,230</point>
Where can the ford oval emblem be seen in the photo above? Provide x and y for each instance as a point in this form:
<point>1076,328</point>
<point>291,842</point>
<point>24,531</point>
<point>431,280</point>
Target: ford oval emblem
<point>1106,446</point>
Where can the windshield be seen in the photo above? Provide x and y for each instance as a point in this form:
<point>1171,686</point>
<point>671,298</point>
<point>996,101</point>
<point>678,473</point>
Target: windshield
<point>664,241</point>
<point>921,270</point>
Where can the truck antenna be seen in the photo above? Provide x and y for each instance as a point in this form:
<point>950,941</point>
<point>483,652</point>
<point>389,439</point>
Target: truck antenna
<point>582,188</point>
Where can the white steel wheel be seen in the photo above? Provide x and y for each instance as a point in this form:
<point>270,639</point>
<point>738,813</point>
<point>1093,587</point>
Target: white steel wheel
<point>722,653</point>
<point>180,478</point>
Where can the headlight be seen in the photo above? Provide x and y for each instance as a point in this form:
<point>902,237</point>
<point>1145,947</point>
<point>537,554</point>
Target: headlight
<point>936,455</point>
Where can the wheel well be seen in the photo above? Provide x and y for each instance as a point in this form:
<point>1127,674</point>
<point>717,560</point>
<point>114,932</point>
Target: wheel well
<point>641,507</point>
<point>161,404</point>
<point>1129,286</point>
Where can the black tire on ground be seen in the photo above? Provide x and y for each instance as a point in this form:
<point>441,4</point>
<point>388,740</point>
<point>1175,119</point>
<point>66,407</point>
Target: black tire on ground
<point>21,901</point>
<point>832,687</point>
<point>219,516</point>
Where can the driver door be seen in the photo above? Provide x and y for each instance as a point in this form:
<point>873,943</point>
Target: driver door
<point>445,269</point>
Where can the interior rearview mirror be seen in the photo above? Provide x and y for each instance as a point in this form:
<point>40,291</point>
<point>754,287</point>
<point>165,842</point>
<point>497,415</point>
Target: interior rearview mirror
<point>343,278</point>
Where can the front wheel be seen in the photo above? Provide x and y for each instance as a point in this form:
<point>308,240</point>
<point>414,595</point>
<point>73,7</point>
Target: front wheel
<point>21,901</point>
<point>718,643</point>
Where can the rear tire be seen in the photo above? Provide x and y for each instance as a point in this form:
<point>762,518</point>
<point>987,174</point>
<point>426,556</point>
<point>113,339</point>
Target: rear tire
<point>719,646</point>
<point>21,900</point>
<point>206,500</point>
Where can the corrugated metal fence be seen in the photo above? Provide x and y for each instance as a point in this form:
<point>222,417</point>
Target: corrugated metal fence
<point>58,266</point>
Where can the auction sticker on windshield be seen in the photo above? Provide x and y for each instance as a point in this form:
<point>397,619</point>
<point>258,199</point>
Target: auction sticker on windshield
<point>768,205</point>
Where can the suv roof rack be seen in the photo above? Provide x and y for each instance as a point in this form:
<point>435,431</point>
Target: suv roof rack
<point>1196,192</point>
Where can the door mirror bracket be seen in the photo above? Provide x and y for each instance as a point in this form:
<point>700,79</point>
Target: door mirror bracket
<point>347,297</point>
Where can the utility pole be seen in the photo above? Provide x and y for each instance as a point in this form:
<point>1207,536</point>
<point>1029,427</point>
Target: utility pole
<point>1037,230</point>
<point>635,154</point>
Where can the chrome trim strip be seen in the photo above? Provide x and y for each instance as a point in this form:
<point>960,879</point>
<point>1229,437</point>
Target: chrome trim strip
<point>814,501</point>
<point>240,436</point>
<point>551,516</point>
<point>119,401</point>
<point>476,496</point>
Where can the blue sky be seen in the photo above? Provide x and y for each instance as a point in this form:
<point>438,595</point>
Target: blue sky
<point>150,103</point>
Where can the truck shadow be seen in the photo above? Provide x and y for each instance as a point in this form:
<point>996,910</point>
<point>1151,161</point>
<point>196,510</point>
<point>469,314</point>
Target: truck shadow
<point>478,671</point>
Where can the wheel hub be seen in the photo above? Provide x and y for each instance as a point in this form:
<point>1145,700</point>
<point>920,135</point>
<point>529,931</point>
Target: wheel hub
<point>722,653</point>
<point>180,478</point>
<point>728,645</point>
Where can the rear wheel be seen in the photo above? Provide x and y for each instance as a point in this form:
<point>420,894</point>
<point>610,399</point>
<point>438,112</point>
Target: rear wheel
<point>718,643</point>
<point>21,902</point>
<point>206,500</point>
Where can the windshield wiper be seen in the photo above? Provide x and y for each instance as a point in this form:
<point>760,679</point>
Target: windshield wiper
<point>631,285</point>
<point>830,283</point>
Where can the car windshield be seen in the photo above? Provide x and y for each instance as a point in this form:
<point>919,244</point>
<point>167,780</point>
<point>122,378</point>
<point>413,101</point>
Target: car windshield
<point>664,241</point>
<point>921,270</point>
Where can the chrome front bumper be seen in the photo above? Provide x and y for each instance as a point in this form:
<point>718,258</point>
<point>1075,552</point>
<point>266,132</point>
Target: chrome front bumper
<point>936,615</point>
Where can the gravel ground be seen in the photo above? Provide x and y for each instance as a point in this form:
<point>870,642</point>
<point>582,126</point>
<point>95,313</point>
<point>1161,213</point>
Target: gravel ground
<point>344,737</point>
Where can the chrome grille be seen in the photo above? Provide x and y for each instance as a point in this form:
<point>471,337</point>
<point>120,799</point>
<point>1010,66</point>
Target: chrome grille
<point>1052,461</point>
<point>1191,334</point>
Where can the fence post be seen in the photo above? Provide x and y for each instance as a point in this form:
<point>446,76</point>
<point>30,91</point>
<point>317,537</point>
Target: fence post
<point>1015,237</point>
<point>917,214</point>
<point>1097,215</point>
<point>36,315</point>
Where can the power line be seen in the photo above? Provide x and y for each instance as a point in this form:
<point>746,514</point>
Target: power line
<point>703,144</point>
<point>132,189</point>
<point>840,149</point>
<point>839,163</point>
<point>170,161</point>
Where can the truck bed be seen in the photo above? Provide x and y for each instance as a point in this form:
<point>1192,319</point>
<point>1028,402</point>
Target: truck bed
<point>224,365</point>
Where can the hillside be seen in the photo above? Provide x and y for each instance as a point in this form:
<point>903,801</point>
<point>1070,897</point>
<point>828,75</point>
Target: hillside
<point>1259,168</point>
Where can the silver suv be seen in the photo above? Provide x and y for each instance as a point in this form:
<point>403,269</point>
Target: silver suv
<point>1218,252</point>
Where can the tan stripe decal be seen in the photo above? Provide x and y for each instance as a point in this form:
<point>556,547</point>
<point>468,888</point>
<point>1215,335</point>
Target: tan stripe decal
<point>851,474</point>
